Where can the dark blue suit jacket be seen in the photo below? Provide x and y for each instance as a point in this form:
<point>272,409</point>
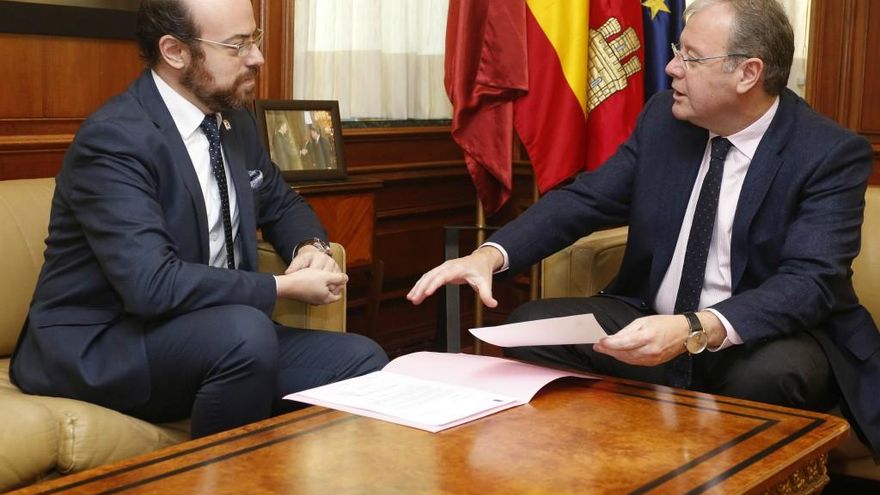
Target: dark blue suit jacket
<point>796,231</point>
<point>128,247</point>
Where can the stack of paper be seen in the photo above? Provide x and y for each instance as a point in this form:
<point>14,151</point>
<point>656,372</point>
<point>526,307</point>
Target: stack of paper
<point>434,391</point>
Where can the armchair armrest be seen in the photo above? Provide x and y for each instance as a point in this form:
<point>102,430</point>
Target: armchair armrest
<point>299,314</point>
<point>585,267</point>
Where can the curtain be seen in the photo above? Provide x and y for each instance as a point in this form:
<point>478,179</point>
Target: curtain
<point>799,14</point>
<point>381,59</point>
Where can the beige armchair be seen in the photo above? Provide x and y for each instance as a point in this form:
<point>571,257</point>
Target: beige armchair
<point>44,437</point>
<point>588,265</point>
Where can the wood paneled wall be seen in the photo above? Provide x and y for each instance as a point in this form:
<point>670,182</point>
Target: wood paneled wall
<point>843,74</point>
<point>53,83</point>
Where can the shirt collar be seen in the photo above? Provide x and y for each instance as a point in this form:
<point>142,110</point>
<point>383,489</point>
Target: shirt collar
<point>187,117</point>
<point>748,139</point>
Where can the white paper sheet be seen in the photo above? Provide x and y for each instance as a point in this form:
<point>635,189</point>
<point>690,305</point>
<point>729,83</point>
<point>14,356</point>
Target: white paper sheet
<point>411,399</point>
<point>576,329</point>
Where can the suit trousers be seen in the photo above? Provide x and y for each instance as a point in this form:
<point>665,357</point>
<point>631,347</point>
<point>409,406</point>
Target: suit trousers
<point>789,371</point>
<point>227,366</point>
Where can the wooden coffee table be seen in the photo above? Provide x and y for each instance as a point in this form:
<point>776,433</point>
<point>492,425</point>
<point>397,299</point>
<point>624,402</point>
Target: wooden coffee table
<point>576,436</point>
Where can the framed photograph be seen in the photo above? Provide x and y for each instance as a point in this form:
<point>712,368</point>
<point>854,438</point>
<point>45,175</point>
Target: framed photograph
<point>304,137</point>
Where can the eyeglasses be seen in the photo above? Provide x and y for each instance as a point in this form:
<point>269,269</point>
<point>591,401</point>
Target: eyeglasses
<point>698,60</point>
<point>243,48</point>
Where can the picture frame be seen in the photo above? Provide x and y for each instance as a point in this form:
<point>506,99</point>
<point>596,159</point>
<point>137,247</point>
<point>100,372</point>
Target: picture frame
<point>303,137</point>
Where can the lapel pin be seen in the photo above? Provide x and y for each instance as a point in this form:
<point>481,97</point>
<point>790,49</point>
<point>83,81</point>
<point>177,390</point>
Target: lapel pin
<point>226,124</point>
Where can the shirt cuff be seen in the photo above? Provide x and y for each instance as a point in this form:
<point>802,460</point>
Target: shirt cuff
<point>732,337</point>
<point>497,246</point>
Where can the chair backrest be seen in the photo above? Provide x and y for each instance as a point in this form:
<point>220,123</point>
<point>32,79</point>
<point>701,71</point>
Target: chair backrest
<point>24,225</point>
<point>866,267</point>
<point>585,267</point>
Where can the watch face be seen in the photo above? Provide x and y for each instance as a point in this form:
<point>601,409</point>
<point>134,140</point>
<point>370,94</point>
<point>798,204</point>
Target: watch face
<point>696,342</point>
<point>323,246</point>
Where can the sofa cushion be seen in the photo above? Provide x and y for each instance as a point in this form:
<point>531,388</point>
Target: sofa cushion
<point>24,225</point>
<point>30,436</point>
<point>866,266</point>
<point>83,435</point>
<point>91,435</point>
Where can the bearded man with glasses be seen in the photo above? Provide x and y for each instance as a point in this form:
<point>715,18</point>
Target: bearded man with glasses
<point>149,301</point>
<point>744,210</point>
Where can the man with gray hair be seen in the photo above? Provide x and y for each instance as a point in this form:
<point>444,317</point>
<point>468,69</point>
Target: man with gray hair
<point>744,209</point>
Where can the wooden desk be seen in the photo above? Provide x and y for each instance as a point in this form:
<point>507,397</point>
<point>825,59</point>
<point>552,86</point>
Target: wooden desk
<point>576,436</point>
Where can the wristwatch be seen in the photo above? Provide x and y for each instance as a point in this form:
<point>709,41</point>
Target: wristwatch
<point>321,244</point>
<point>697,341</point>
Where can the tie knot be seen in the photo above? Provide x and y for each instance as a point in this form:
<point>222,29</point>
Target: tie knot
<point>720,147</point>
<point>209,127</point>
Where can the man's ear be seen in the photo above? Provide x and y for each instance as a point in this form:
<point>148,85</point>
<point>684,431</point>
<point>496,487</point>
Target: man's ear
<point>174,52</point>
<point>751,73</point>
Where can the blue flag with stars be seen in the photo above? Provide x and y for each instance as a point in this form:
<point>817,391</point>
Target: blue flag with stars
<point>663,24</point>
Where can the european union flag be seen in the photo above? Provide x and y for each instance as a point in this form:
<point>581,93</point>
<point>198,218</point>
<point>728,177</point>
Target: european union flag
<point>663,23</point>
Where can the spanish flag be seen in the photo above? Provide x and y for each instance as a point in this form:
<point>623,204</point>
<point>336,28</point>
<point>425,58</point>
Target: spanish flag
<point>566,73</point>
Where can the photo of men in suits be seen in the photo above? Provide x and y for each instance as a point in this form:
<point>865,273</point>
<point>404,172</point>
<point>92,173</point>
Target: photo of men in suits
<point>282,147</point>
<point>744,209</point>
<point>149,301</point>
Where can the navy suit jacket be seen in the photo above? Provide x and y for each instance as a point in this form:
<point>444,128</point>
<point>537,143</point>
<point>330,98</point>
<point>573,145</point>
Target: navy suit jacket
<point>796,231</point>
<point>128,247</point>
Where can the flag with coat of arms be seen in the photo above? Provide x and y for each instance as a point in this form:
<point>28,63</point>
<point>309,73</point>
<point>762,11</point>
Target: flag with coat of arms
<point>569,76</point>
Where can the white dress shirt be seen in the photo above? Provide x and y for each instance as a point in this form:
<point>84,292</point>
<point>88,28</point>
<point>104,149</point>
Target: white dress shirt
<point>717,285</point>
<point>187,117</point>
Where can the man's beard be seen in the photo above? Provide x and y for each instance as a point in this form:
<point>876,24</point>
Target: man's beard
<point>201,83</point>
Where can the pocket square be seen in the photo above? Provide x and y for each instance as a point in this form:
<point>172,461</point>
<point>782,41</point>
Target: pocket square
<point>256,178</point>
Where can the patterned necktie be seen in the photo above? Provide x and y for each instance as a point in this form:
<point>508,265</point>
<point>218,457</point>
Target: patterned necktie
<point>693,271</point>
<point>209,127</point>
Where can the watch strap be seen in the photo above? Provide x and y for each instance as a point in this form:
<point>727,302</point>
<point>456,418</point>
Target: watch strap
<point>693,322</point>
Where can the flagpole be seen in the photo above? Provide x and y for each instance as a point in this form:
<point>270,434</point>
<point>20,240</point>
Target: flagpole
<point>478,303</point>
<point>535,274</point>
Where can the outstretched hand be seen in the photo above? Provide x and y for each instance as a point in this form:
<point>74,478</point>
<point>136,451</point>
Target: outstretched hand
<point>475,270</point>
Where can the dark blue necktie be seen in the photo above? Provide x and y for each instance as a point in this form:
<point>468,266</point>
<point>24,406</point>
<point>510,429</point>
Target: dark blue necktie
<point>693,271</point>
<point>209,127</point>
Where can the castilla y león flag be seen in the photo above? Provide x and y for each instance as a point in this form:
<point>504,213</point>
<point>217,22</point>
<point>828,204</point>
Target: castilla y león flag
<point>616,76</point>
<point>567,74</point>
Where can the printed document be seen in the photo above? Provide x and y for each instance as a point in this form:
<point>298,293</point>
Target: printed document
<point>434,391</point>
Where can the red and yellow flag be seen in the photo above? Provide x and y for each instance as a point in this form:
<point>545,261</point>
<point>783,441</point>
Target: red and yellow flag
<point>551,118</point>
<point>616,76</point>
<point>567,75</point>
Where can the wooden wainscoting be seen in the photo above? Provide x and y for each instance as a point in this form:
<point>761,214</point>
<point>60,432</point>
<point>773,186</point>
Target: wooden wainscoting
<point>414,204</point>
